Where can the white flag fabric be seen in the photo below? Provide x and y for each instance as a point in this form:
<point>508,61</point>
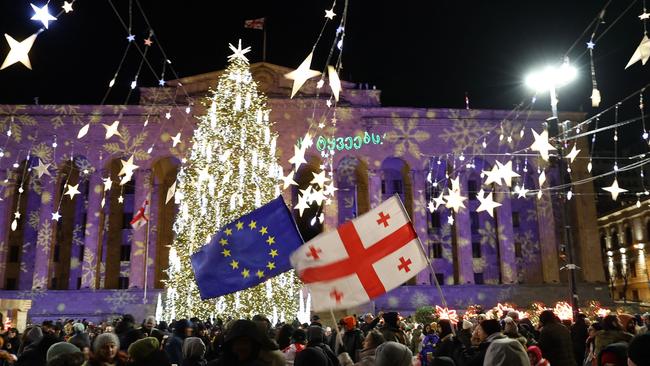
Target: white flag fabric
<point>364,258</point>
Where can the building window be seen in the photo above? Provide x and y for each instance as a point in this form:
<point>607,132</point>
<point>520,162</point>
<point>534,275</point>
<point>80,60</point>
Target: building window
<point>517,249</point>
<point>82,249</point>
<point>55,256</point>
<point>633,268</point>
<point>125,253</point>
<point>54,283</point>
<point>635,295</point>
<point>11,284</point>
<point>478,278</point>
<point>515,220</point>
<point>436,250</point>
<point>615,241</point>
<point>123,283</point>
<point>628,236</point>
<point>440,278</point>
<point>621,295</point>
<point>476,249</point>
<point>78,283</point>
<point>435,221</point>
<point>14,252</point>
<point>126,220</point>
<point>471,189</point>
<point>383,186</point>
<point>397,186</point>
<point>473,216</point>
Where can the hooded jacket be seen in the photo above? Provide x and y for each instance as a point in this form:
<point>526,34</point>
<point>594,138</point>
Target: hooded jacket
<point>194,352</point>
<point>393,354</point>
<point>506,352</point>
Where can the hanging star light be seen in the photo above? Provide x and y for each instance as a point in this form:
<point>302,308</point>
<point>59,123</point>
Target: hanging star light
<point>317,196</point>
<point>18,51</point>
<point>440,200</point>
<point>127,167</point>
<point>83,131</point>
<point>642,52</point>
<point>56,216</point>
<point>329,14</point>
<point>176,139</point>
<point>67,7</point>
<point>431,206</point>
<point>72,190</point>
<point>41,169</point>
<point>506,173</point>
<point>170,192</point>
<point>298,157</point>
<point>644,16</point>
<point>107,183</point>
<point>521,191</point>
<point>238,52</point>
<point>130,38</point>
<point>454,198</point>
<point>302,205</point>
<point>335,82</point>
<point>319,179</point>
<point>330,189</point>
<point>492,176</point>
<point>614,189</point>
<point>17,214</point>
<point>487,203</point>
<point>288,180</point>
<point>301,74</point>
<point>120,199</point>
<point>42,15</point>
<point>541,144</point>
<point>541,179</point>
<point>111,129</point>
<point>573,153</point>
<point>450,219</point>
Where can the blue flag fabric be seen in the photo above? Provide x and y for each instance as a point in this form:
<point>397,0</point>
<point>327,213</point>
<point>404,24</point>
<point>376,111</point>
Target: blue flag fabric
<point>247,251</point>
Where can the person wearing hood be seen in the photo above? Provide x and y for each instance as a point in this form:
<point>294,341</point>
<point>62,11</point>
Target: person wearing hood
<point>106,351</point>
<point>536,358</point>
<point>242,345</point>
<point>35,353</point>
<point>60,349</point>
<point>31,335</point>
<point>147,352</point>
<point>126,332</point>
<point>391,330</point>
<point>506,352</point>
<point>612,332</point>
<point>194,352</point>
<point>12,341</point>
<point>352,338</point>
<point>174,345</point>
<point>316,351</point>
<point>555,340</point>
<point>393,354</point>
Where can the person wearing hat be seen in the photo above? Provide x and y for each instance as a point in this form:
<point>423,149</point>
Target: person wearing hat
<point>391,330</point>
<point>174,345</point>
<point>242,345</point>
<point>298,343</point>
<point>194,352</point>
<point>485,333</point>
<point>80,338</point>
<point>146,351</point>
<point>393,354</point>
<point>506,352</point>
<point>352,338</point>
<point>106,351</point>
<point>59,349</point>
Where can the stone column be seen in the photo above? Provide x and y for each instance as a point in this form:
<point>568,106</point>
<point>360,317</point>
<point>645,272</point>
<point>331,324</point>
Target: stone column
<point>78,234</point>
<point>46,231</point>
<point>94,222</point>
<point>547,239</point>
<point>7,195</point>
<point>464,269</point>
<point>374,187</point>
<point>157,199</point>
<point>137,262</point>
<point>418,177</point>
<point>507,263</point>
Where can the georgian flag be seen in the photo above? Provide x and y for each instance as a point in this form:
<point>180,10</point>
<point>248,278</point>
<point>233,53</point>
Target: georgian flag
<point>363,259</point>
<point>141,217</point>
<point>254,23</point>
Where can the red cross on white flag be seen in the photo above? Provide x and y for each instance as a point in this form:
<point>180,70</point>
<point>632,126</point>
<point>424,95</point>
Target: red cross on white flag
<point>141,217</point>
<point>364,258</point>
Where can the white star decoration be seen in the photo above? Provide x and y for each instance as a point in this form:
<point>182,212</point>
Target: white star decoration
<point>41,169</point>
<point>127,167</point>
<point>238,53</point>
<point>42,15</point>
<point>330,189</point>
<point>521,191</point>
<point>56,216</point>
<point>492,176</point>
<point>298,157</point>
<point>176,139</point>
<point>335,82</point>
<point>319,179</point>
<point>541,144</point>
<point>642,53</point>
<point>329,14</point>
<point>439,201</point>
<point>573,154</point>
<point>302,204</point>
<point>288,180</point>
<point>487,203</point>
<point>112,129</point>
<point>67,7</point>
<point>506,173</point>
<point>454,198</point>
<point>614,189</point>
<point>72,190</point>
<point>19,51</point>
<point>301,74</point>
<point>107,183</point>
<point>644,16</point>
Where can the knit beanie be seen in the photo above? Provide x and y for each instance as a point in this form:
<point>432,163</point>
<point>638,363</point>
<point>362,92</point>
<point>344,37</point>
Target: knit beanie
<point>103,339</point>
<point>490,326</point>
<point>78,327</point>
<point>350,322</point>
<point>60,348</point>
<point>141,349</point>
<point>393,354</point>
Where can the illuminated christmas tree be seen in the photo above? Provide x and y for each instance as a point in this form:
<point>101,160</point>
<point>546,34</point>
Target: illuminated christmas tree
<point>231,170</point>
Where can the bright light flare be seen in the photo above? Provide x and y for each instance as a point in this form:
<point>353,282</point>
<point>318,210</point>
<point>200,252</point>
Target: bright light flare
<point>551,76</point>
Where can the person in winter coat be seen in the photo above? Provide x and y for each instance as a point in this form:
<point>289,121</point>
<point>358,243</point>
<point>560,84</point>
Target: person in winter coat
<point>511,330</point>
<point>391,330</point>
<point>352,338</point>
<point>106,351</point>
<point>174,345</point>
<point>506,352</point>
<point>638,352</point>
<point>12,341</point>
<point>612,332</point>
<point>147,352</point>
<point>80,338</point>
<point>393,354</point>
<point>36,352</point>
<point>536,358</point>
<point>555,340</point>
<point>370,344</point>
<point>59,349</point>
<point>298,343</point>
<point>579,335</point>
<point>614,354</point>
<point>194,352</point>
<point>429,344</point>
<point>126,332</point>
<point>416,339</point>
<point>148,329</point>
<point>242,345</point>
<point>486,332</point>
<point>283,336</point>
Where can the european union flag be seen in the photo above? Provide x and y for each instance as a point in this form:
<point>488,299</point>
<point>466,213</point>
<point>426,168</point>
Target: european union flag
<point>247,251</point>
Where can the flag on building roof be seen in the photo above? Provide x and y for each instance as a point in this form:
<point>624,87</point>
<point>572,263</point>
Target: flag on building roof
<point>247,251</point>
<point>363,259</point>
<point>255,23</point>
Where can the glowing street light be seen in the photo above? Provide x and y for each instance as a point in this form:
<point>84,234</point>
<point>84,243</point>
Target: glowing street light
<point>550,78</point>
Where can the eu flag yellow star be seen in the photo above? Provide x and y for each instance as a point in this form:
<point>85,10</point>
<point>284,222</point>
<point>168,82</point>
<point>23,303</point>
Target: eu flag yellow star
<point>223,241</point>
<point>260,274</point>
<point>270,240</point>
<point>240,225</point>
<point>252,225</point>
<point>226,253</point>
<point>273,253</point>
<point>270,265</point>
<point>263,230</point>
<point>245,273</point>
<point>234,264</point>
<point>228,231</point>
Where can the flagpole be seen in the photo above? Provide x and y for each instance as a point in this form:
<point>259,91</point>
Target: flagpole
<point>146,260</point>
<point>264,41</point>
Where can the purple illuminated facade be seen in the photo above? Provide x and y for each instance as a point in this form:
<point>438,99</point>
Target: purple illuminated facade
<point>91,263</point>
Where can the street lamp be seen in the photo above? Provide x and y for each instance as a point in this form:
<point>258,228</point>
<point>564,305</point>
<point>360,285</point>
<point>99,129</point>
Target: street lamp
<point>550,78</point>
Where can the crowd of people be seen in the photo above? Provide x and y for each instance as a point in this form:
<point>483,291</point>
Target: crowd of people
<point>383,340</point>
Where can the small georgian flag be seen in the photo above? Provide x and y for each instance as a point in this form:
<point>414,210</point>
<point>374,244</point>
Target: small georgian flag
<point>141,217</point>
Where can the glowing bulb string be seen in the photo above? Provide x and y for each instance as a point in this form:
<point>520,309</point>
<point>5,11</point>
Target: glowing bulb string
<point>616,142</point>
<point>21,189</point>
